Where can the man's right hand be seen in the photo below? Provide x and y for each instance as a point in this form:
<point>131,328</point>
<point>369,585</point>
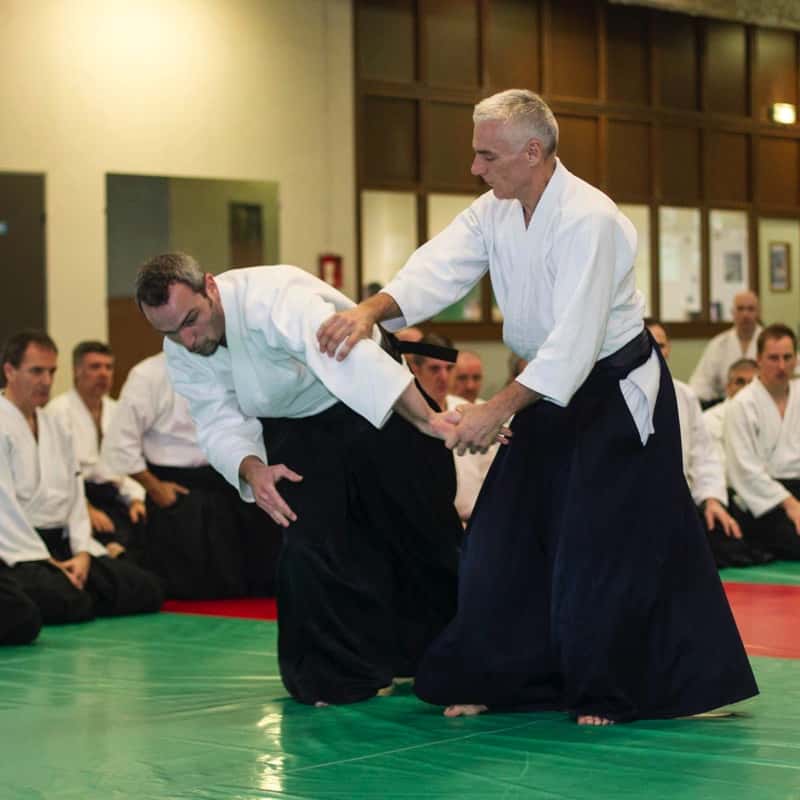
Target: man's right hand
<point>262,480</point>
<point>101,522</point>
<point>165,493</point>
<point>792,508</point>
<point>345,328</point>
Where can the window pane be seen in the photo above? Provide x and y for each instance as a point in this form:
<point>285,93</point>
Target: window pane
<point>640,217</point>
<point>388,234</point>
<point>679,268</point>
<point>442,208</point>
<point>729,264</point>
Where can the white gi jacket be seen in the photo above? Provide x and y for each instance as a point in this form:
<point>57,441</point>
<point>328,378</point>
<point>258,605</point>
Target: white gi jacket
<point>471,469</point>
<point>710,376</point>
<point>151,423</point>
<point>40,487</point>
<point>70,411</point>
<point>272,366</point>
<point>701,466</point>
<point>565,285</point>
<point>714,418</point>
<point>760,446</point>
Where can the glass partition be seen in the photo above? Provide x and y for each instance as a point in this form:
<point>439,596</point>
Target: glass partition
<point>639,215</point>
<point>679,263</point>
<point>729,262</point>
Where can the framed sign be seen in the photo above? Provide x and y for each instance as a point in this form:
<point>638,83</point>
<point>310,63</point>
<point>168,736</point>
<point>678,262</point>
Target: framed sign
<point>780,276</point>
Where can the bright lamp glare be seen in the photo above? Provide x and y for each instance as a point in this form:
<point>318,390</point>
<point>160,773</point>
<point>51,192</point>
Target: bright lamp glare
<point>783,113</point>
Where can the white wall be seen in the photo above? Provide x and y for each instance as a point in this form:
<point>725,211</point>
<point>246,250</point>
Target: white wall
<point>244,89</point>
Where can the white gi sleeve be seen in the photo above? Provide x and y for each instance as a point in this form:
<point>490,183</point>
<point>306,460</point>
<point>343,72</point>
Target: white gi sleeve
<point>131,491</point>
<point>706,475</point>
<point>440,272</point>
<point>225,434</point>
<point>123,448</point>
<point>704,380</point>
<point>582,297</point>
<point>747,472</point>
<point>18,540</point>
<point>369,380</point>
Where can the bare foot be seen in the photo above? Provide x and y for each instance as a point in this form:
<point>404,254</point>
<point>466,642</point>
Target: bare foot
<point>320,704</point>
<point>593,719</point>
<point>465,710</point>
<point>115,550</point>
<point>385,691</point>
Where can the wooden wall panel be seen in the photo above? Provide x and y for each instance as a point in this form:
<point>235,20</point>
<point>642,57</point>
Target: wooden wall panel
<point>629,161</point>
<point>448,149</point>
<point>776,70</point>
<point>390,149</point>
<point>676,53</point>
<point>627,56</point>
<point>680,165</point>
<point>727,167</point>
<point>451,39</point>
<point>130,336</point>
<point>726,67</point>
<point>573,67</point>
<point>577,146</point>
<point>513,44</point>
<point>778,171</point>
<point>385,30</point>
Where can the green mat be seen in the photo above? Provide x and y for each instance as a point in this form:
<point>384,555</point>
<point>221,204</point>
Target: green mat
<point>786,572</point>
<point>173,706</point>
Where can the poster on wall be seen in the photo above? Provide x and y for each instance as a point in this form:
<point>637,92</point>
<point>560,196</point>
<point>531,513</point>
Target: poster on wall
<point>780,279</point>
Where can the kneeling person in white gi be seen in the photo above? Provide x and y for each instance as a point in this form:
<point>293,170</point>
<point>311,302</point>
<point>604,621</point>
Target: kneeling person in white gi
<point>705,474</point>
<point>46,543</point>
<point>762,445</point>
<point>367,576</point>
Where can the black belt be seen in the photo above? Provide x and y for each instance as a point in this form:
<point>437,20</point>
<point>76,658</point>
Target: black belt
<point>397,347</point>
<point>630,356</point>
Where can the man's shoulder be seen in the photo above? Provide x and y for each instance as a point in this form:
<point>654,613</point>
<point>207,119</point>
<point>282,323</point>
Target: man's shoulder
<point>718,341</point>
<point>60,403</point>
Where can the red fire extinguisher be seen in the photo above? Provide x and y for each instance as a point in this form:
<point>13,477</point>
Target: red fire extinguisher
<point>330,269</point>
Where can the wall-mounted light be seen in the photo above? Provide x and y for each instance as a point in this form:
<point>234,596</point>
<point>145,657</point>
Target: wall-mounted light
<point>783,113</point>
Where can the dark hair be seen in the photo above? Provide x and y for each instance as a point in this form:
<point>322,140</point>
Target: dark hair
<point>16,345</point>
<point>155,276</point>
<point>429,338</point>
<point>84,348</point>
<point>776,331</point>
<point>742,362</point>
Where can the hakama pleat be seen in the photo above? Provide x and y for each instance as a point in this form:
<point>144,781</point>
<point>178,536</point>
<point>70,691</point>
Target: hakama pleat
<point>106,498</point>
<point>367,576</point>
<point>586,584</point>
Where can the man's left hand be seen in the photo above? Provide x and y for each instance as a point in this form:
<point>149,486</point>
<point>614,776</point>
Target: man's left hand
<point>137,511</point>
<point>715,512</point>
<point>78,568</point>
<point>479,428</point>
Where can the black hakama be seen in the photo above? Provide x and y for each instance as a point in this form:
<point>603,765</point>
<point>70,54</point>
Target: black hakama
<point>209,543</point>
<point>20,620</point>
<point>367,577</point>
<point>106,498</point>
<point>115,586</point>
<point>586,584</point>
<point>774,531</point>
<point>730,552</point>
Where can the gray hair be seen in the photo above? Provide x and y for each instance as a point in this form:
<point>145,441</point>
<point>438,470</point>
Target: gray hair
<point>525,112</point>
<point>156,276</point>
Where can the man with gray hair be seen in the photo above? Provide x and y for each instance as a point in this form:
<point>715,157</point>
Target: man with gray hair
<point>586,583</point>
